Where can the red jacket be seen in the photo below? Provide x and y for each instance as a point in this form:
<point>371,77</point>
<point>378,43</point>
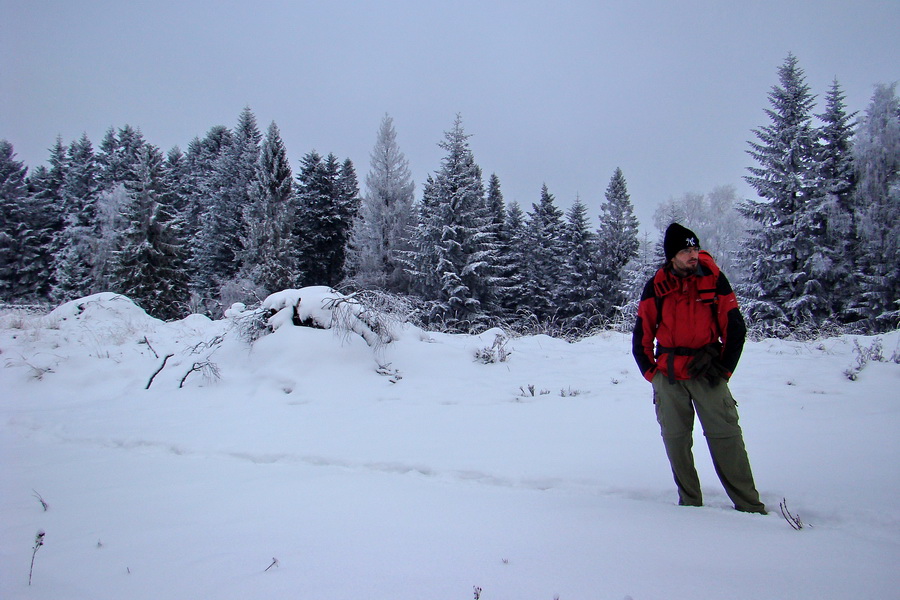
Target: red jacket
<point>686,313</point>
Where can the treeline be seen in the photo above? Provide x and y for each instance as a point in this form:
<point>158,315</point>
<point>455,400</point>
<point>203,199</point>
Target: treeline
<point>227,220</point>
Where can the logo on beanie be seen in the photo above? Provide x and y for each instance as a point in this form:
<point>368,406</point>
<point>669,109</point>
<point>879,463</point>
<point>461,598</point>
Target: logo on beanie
<point>691,242</point>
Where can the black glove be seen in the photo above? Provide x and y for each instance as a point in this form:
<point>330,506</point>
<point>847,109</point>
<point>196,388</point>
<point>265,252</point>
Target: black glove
<point>717,373</point>
<point>702,362</point>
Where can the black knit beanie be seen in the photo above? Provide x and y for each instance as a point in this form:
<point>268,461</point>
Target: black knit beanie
<point>677,239</point>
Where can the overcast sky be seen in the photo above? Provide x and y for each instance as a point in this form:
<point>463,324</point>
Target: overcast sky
<point>558,92</point>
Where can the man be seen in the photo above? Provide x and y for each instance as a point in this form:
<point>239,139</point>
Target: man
<point>691,312</point>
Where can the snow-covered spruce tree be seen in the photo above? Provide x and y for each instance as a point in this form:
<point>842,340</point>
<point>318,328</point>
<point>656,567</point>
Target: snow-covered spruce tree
<point>580,308</point>
<point>227,193</point>
<point>505,272</point>
<point>421,259</point>
<point>75,260</point>
<point>782,288</point>
<point>513,267</point>
<point>348,201</point>
<point>496,207</point>
<point>546,260</point>
<point>877,160</point>
<point>453,249</point>
<point>36,271</point>
<point>834,209</point>
<point>177,172</point>
<point>269,258</point>
<point>200,162</point>
<point>197,187</point>
<point>382,228</point>
<point>118,156</point>
<point>150,265</point>
<point>14,221</point>
<point>327,204</point>
<point>617,244</point>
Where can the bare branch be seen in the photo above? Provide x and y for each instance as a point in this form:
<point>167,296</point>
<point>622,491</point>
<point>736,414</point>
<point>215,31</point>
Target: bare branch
<point>793,520</point>
<point>161,367</point>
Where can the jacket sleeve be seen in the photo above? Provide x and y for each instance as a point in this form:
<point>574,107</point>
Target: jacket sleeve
<point>645,332</point>
<point>731,324</point>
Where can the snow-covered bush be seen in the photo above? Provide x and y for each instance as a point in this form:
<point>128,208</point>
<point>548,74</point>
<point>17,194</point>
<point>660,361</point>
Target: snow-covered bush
<point>875,352</point>
<point>496,352</point>
<point>315,306</point>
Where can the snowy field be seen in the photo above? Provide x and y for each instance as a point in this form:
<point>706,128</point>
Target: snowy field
<point>317,466</point>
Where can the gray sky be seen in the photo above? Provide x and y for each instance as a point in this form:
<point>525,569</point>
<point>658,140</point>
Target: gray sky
<point>558,92</point>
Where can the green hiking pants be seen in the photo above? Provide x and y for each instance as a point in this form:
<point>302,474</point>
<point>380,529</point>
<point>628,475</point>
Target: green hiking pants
<point>717,411</point>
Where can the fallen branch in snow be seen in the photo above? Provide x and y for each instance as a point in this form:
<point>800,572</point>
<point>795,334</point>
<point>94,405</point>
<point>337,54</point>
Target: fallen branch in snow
<point>161,367</point>
<point>274,564</point>
<point>212,344</point>
<point>793,520</point>
<point>146,341</point>
<point>210,371</point>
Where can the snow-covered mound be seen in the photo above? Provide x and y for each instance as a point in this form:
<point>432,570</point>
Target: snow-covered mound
<point>187,460</point>
<point>318,306</point>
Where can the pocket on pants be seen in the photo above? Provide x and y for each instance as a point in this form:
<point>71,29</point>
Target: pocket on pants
<point>730,408</point>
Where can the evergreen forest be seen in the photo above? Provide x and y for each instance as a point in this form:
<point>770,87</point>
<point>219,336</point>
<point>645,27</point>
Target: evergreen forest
<point>231,219</point>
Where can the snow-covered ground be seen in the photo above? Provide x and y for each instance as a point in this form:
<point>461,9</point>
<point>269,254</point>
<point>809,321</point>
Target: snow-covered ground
<point>318,466</point>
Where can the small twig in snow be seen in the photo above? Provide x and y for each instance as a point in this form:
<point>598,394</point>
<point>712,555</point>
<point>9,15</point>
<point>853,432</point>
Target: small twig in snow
<point>146,341</point>
<point>161,367</point>
<point>209,369</point>
<point>274,564</point>
<point>793,520</point>
<point>41,500</point>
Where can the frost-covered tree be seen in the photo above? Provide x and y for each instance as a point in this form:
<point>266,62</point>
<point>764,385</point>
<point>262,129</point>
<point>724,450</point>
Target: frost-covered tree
<point>637,272</point>
<point>580,308</point>
<point>226,193</point>
<point>833,211</point>
<point>14,220</point>
<point>150,264</point>
<point>783,286</point>
<point>111,221</point>
<point>177,174</point>
<point>877,160</point>
<point>198,184</point>
<point>513,265</point>
<point>327,205</point>
<point>382,228</point>
<point>118,156</point>
<point>421,260</point>
<point>36,272</point>
<point>496,206</point>
<point>504,268</point>
<point>453,251</point>
<point>269,258</point>
<point>715,219</point>
<point>75,260</point>
<point>617,243</point>
<point>546,260</point>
